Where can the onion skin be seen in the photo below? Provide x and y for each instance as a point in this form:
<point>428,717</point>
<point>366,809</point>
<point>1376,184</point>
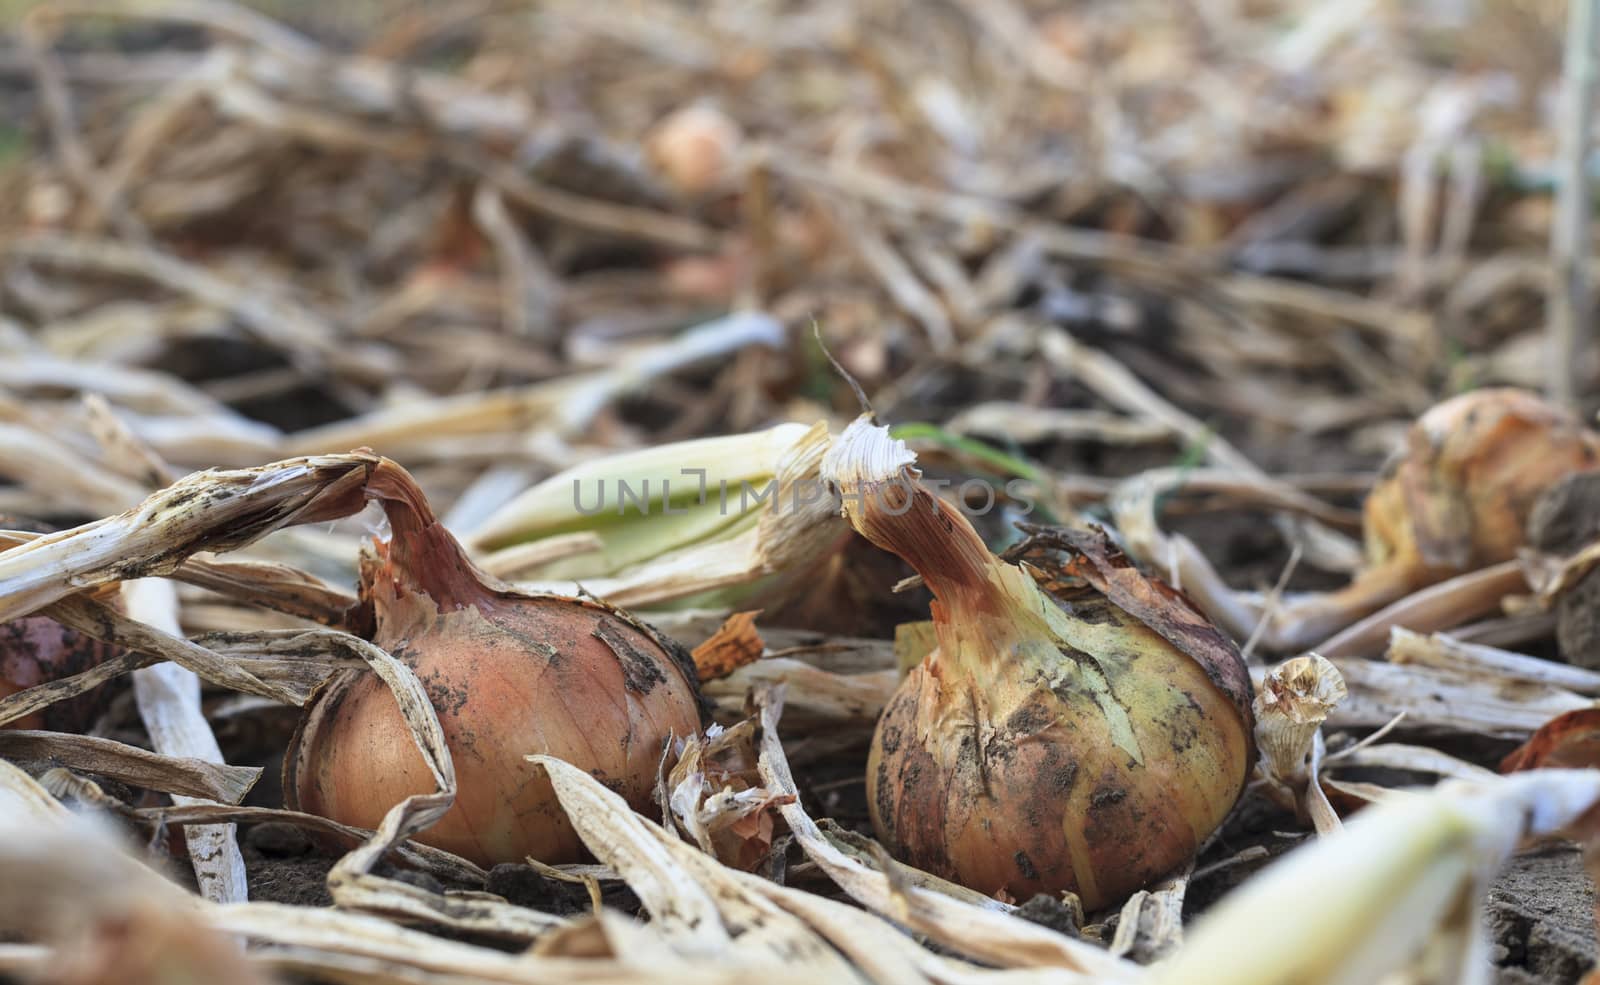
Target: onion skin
<point>510,675</point>
<point>1041,805</point>
<point>1044,745</point>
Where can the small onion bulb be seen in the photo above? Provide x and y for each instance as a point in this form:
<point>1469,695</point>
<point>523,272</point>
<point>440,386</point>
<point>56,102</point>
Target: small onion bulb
<point>695,148</point>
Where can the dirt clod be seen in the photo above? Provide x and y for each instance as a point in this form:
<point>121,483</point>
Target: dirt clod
<point>1567,516</point>
<point>1564,519</point>
<point>274,839</point>
<point>1047,911</point>
<point>1578,623</point>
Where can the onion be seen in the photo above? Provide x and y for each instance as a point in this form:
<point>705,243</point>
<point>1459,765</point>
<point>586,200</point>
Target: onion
<point>695,148</point>
<point>37,649</point>
<point>510,674</point>
<point>1044,745</point>
<point>1460,496</point>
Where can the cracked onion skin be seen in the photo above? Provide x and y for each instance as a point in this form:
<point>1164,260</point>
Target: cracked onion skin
<point>1044,745</point>
<point>510,674</point>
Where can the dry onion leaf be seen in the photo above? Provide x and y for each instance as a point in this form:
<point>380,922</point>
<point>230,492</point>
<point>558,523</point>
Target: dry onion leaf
<point>218,510</point>
<point>130,764</point>
<point>1570,740</point>
<point>735,644</point>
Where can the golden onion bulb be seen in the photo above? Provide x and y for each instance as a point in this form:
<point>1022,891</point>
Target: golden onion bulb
<point>1459,496</point>
<point>1456,499</point>
<point>510,674</point>
<point>1044,745</point>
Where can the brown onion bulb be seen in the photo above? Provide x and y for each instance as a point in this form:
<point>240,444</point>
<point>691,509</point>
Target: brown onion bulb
<point>1044,745</point>
<point>510,674</point>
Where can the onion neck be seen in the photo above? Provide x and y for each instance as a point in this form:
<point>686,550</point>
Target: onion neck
<point>985,611</point>
<point>933,537</point>
<point>421,557</point>
<point>1000,634</point>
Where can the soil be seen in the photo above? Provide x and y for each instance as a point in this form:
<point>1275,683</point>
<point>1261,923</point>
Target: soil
<point>1047,911</point>
<point>1541,919</point>
<point>284,865</point>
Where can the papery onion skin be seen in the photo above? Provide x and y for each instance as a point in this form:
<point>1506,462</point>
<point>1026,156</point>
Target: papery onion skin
<point>510,675</point>
<point>1044,745</point>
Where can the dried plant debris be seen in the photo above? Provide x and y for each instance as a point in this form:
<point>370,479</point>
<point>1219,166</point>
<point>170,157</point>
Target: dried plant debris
<point>1238,314</point>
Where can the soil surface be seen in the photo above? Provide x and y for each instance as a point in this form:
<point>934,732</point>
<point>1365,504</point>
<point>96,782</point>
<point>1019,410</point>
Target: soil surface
<point>1541,919</point>
<point>284,865</point>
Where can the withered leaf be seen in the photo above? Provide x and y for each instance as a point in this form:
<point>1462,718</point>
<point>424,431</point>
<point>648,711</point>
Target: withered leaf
<point>733,645</point>
<point>1569,740</point>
